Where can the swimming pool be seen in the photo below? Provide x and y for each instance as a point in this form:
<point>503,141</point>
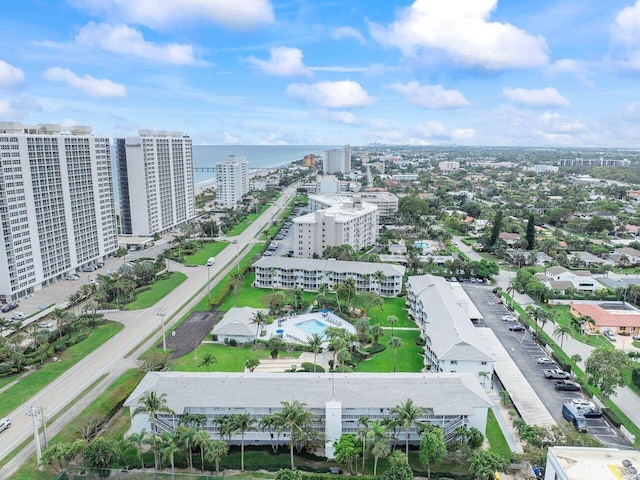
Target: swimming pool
<point>422,245</point>
<point>312,326</point>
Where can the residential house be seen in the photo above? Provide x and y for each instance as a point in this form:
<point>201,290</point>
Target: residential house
<point>618,317</point>
<point>562,279</point>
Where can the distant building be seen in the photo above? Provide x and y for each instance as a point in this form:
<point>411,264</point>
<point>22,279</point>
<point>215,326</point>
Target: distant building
<point>232,181</point>
<point>444,313</point>
<point>449,166</point>
<point>155,177</point>
<point>337,160</point>
<point>386,202</point>
<point>405,177</point>
<point>56,204</point>
<point>537,169</point>
<point>594,162</point>
<point>308,274</point>
<point>352,222</point>
<point>450,400</point>
<point>309,160</point>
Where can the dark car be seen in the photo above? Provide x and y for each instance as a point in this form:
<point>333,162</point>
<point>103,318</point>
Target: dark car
<point>567,386</point>
<point>590,412</point>
<point>517,328</point>
<point>9,306</point>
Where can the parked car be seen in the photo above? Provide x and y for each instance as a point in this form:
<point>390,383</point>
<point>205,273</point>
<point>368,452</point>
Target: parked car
<point>556,374</point>
<point>508,318</point>
<point>72,276</point>
<point>88,268</point>
<point>544,361</point>
<point>517,328</point>
<point>636,337</point>
<point>567,386</point>
<point>18,316</point>
<point>589,412</point>
<point>9,306</point>
<point>45,325</point>
<point>582,403</point>
<point>4,424</point>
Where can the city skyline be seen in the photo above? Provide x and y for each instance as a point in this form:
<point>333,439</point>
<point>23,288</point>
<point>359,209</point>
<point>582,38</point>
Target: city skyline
<point>269,72</point>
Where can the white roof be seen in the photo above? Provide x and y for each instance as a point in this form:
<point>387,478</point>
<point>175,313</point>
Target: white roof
<point>237,322</point>
<point>354,390</point>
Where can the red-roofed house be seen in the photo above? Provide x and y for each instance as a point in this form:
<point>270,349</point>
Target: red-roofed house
<point>618,317</point>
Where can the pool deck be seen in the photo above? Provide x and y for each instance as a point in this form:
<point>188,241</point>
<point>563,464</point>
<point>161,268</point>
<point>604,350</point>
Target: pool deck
<point>292,333</point>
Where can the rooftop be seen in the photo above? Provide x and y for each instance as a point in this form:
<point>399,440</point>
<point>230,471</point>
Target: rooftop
<point>579,463</point>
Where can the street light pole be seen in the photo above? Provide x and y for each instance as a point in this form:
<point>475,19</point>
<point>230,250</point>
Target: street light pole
<point>161,312</point>
<point>209,283</point>
<point>237,255</point>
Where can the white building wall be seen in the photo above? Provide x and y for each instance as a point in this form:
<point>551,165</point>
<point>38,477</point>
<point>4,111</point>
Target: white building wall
<point>232,180</point>
<point>332,427</point>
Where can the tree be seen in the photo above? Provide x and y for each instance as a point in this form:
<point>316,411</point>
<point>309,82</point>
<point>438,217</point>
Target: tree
<point>495,229</point>
<point>347,450</point>
<point>392,320</point>
<point>484,464</point>
<point>380,447</point>
<point>364,431</point>
<point>183,437</point>
<point>138,439</point>
<point>405,415</point>
<point>236,280</point>
<point>376,331</point>
<point>432,447</point>
<point>314,341</point>
<point>530,237</point>
<point>201,440</point>
<point>288,474</point>
<point>605,368</point>
<point>59,455</point>
<point>101,454</point>
<point>152,404</point>
<point>251,363</point>
<point>258,318</point>
<point>207,360</point>
<point>169,450</point>
<point>296,419</point>
<point>215,450</point>
<point>242,423</point>
<point>398,472</point>
<point>379,277</point>
<point>561,332</point>
<point>395,343</point>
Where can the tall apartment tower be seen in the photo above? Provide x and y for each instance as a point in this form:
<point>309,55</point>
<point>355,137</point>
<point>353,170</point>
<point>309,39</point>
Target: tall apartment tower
<point>56,204</point>
<point>232,180</point>
<point>337,160</point>
<point>155,171</point>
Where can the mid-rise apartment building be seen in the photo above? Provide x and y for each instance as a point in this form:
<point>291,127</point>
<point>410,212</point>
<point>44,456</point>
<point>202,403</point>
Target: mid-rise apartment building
<point>155,171</point>
<point>56,204</point>
<point>386,202</point>
<point>351,222</point>
<point>337,160</point>
<point>232,181</point>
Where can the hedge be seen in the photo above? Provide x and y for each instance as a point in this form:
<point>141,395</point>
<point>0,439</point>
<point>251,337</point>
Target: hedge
<point>635,377</point>
<point>612,417</point>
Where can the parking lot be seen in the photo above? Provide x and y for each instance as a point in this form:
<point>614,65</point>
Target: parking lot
<point>524,351</point>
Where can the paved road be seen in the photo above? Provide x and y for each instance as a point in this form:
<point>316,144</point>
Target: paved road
<point>116,356</point>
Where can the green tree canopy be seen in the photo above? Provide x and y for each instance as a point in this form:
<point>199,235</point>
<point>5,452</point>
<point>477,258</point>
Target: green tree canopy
<point>605,367</point>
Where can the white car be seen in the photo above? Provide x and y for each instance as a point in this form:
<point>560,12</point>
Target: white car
<point>18,316</point>
<point>4,424</point>
<point>45,325</point>
<point>582,403</point>
<point>508,318</point>
<point>544,361</point>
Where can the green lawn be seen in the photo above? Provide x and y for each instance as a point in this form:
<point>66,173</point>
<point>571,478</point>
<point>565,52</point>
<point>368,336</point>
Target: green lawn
<point>218,291</point>
<point>158,291</point>
<point>229,359</point>
<point>242,226</point>
<point>495,436</point>
<point>36,381</point>
<point>563,317</point>
<point>209,249</point>
<point>409,360</point>
<point>392,306</point>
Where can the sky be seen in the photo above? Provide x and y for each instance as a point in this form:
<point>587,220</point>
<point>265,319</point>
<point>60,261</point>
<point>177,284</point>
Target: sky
<point>329,72</point>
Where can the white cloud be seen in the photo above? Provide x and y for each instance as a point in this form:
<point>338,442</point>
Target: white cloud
<point>127,41</point>
<point>347,32</point>
<point>430,96</point>
<point>542,97</point>
<point>18,109</point>
<point>284,61</point>
<point>10,76</point>
<point>573,67</point>
<point>340,94</point>
<point>464,133</point>
<point>94,87</point>
<point>164,13</point>
<point>340,116</point>
<point>625,36</point>
<point>462,30</point>
<point>228,138</point>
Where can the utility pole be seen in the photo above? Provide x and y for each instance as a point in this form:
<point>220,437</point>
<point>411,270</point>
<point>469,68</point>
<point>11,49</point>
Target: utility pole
<point>32,412</point>
<point>161,312</point>
<point>44,426</point>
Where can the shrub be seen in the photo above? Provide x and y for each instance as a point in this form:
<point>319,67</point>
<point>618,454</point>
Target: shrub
<point>373,349</point>
<point>233,342</point>
<point>612,417</point>
<point>59,347</point>
<point>5,367</point>
<point>308,367</point>
<point>561,363</point>
<point>635,377</point>
<point>81,337</point>
<point>421,351</point>
<point>421,342</point>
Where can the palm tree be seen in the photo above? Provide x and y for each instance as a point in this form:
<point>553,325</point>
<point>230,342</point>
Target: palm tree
<point>405,415</point>
<point>169,449</point>
<point>561,332</point>
<point>243,422</point>
<point>92,306</point>
<point>364,430</point>
<point>236,280</point>
<point>138,439</point>
<point>376,331</point>
<point>395,343</point>
<point>484,376</point>
<point>392,320</point>
<point>271,423</point>
<point>296,419</point>
<point>152,404</point>
<point>380,447</point>
<point>201,440</point>
<point>343,357</point>
<point>215,450</point>
<point>207,360</point>
<point>314,341</point>
<point>258,318</point>
<point>184,437</point>
<point>61,317</point>
<point>379,277</point>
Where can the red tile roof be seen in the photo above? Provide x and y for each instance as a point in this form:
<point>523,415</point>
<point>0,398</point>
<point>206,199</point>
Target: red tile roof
<point>607,318</point>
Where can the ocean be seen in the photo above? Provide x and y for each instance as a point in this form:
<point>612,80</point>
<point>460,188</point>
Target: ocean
<point>258,156</point>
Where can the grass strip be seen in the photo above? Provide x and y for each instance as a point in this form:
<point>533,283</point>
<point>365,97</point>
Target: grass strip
<point>157,292</point>
<point>495,436</point>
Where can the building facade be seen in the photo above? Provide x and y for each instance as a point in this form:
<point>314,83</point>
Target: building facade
<point>351,222</point>
<point>308,274</point>
<point>386,202</point>
<point>56,204</point>
<point>337,401</point>
<point>155,176</point>
<point>232,181</point>
<point>337,160</point>
<point>444,313</point>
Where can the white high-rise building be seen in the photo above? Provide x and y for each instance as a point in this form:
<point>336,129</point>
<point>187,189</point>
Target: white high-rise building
<point>232,180</point>
<point>352,222</point>
<point>155,171</point>
<point>56,204</point>
<point>337,160</point>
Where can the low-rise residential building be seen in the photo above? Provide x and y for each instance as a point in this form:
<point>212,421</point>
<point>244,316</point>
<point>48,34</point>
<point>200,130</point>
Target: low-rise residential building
<point>444,313</point>
<point>352,222</point>
<point>308,274</point>
<point>237,324</point>
<point>631,255</point>
<point>337,401</point>
<point>562,279</point>
<point>616,317</point>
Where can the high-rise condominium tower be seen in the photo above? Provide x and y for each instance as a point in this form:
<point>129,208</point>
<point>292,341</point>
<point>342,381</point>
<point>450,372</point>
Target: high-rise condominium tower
<point>155,171</point>
<point>232,180</point>
<point>337,160</point>
<point>56,204</point>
